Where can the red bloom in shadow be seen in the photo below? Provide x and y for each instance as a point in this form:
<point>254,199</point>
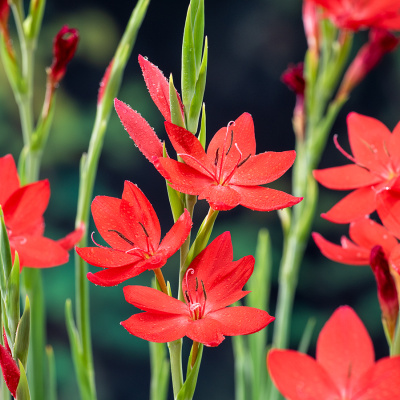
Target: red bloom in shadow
<point>212,282</point>
<point>374,176</point>
<point>9,367</point>
<point>131,227</point>
<point>23,209</point>
<point>344,368</point>
<point>230,172</point>
<point>355,14</point>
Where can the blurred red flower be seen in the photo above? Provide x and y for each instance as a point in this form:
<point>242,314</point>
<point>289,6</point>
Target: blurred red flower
<point>9,367</point>
<point>344,368</point>
<point>131,227</point>
<point>229,173</point>
<point>23,209</point>
<point>212,282</point>
<point>355,14</point>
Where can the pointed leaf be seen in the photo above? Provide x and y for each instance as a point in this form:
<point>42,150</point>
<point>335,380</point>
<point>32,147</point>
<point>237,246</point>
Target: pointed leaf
<point>21,345</point>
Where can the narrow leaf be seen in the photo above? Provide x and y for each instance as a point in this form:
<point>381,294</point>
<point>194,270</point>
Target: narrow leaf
<point>21,345</point>
<point>23,388</point>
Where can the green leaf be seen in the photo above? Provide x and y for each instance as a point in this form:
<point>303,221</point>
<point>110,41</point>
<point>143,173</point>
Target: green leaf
<point>198,95</point>
<point>203,134</point>
<point>23,388</point>
<point>260,286</point>
<point>21,345</point>
<point>5,253</point>
<point>12,298</point>
<point>77,354</point>
<point>192,50</point>
<point>176,112</point>
<point>188,388</point>
<point>242,367</point>
<point>51,374</point>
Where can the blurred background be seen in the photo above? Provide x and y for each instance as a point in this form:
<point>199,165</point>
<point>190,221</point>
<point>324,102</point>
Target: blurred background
<point>250,45</point>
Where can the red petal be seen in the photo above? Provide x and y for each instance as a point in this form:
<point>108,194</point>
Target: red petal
<point>39,252</point>
<point>139,216</point>
<point>158,87</point>
<point>160,328</point>
<point>389,210</point>
<point>368,233</point>
<point>357,204</point>
<point>380,382</point>
<point>368,138</point>
<point>206,330</point>
<point>344,348</point>
<point>220,198</point>
<point>107,217</point>
<point>107,258</point>
<point>345,177</point>
<point>25,207</point>
<point>114,276</point>
<point>241,320</point>
<point>263,168</point>
<point>260,198</point>
<point>149,299</point>
<point>185,142</point>
<point>8,177</point>
<point>393,146</point>
<point>353,255</point>
<point>243,136</point>
<point>10,370</point>
<point>182,177</point>
<point>69,241</point>
<point>176,236</point>
<point>139,130</point>
<point>394,259</point>
<point>299,377</point>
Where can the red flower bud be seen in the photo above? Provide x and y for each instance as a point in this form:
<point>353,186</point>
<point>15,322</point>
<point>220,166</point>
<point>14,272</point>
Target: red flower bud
<point>64,47</point>
<point>387,293</point>
<point>311,28</point>
<point>380,42</point>
<point>4,13</point>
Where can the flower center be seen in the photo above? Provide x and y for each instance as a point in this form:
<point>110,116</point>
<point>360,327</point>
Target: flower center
<point>196,300</point>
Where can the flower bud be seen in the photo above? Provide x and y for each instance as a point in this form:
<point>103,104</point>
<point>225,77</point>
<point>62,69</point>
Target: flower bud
<point>380,42</point>
<point>387,293</point>
<point>64,47</point>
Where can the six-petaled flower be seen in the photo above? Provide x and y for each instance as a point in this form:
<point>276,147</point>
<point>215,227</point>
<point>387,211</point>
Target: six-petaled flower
<point>344,368</point>
<point>229,173</point>
<point>131,227</point>
<point>212,282</point>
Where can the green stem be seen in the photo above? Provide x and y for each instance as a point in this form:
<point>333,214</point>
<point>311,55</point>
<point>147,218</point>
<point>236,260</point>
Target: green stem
<point>175,356</point>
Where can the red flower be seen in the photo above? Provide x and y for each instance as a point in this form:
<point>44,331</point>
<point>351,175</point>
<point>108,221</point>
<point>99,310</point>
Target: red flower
<point>131,227</point>
<point>375,175</point>
<point>370,244</point>
<point>23,209</point>
<point>212,282</point>
<point>229,173</point>
<point>64,47</point>
<point>344,368</point>
<point>356,14</point>
<point>9,367</point>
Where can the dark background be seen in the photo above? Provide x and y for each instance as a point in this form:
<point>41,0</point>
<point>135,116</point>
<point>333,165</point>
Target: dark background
<point>250,44</point>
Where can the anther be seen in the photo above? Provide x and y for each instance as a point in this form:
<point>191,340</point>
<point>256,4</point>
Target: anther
<point>216,157</point>
<point>187,296</point>
<point>197,283</point>
<point>243,161</point>
<point>144,229</point>
<point>204,290</point>
<point>230,145</point>
<point>121,236</point>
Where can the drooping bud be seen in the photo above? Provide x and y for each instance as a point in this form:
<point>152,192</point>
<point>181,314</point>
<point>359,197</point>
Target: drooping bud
<point>293,78</point>
<point>387,292</point>
<point>64,47</point>
<point>380,42</point>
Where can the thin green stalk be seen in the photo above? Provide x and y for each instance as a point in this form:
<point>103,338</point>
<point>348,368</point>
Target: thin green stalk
<point>175,356</point>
